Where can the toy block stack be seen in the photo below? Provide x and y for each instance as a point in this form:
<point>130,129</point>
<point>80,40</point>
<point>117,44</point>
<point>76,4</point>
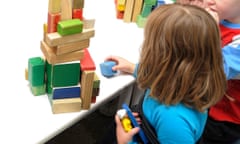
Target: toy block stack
<point>137,10</point>
<point>66,73</point>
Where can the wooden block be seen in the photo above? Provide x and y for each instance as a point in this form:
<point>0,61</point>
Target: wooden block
<point>63,75</point>
<point>146,10</point>
<point>66,105</point>
<point>120,5</point>
<point>36,71</point>
<point>71,47</point>
<point>121,2</point>
<point>88,23</point>
<point>52,22</point>
<point>87,62</point>
<point>26,74</point>
<point>78,4</point>
<point>66,92</point>
<point>54,39</point>
<point>38,90</point>
<point>86,88</point>
<point>52,58</point>
<point>137,9</point>
<point>150,2</point>
<point>77,14</point>
<point>96,81</point>
<point>141,21</point>
<point>95,92</point>
<point>49,88</point>
<point>94,98</point>
<point>160,2</point>
<point>45,30</point>
<point>66,10</point>
<point>127,17</point>
<point>69,27</point>
<point>54,6</point>
<point>119,14</point>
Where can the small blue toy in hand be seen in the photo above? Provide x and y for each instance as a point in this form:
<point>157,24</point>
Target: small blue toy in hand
<point>106,68</point>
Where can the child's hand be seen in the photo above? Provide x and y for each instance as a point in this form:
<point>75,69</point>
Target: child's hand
<point>122,64</point>
<point>122,136</point>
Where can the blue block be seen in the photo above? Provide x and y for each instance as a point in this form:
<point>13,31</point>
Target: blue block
<point>66,92</point>
<point>106,68</point>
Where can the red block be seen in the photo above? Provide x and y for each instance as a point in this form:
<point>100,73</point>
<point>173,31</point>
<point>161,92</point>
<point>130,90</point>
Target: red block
<point>77,13</point>
<point>53,20</point>
<point>87,62</point>
<point>119,14</point>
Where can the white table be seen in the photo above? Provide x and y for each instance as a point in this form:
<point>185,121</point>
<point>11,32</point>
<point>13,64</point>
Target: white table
<point>28,119</point>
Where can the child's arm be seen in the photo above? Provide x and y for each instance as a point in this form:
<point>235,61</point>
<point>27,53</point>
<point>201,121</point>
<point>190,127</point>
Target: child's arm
<point>122,64</point>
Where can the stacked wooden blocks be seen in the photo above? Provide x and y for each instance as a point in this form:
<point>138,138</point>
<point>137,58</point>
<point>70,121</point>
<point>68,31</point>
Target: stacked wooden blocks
<point>67,71</point>
<point>137,10</point>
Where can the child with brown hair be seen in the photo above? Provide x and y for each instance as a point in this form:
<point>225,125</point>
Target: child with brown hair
<point>181,69</point>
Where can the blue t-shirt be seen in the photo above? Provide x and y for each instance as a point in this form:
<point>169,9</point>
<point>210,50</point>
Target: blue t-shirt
<point>174,124</point>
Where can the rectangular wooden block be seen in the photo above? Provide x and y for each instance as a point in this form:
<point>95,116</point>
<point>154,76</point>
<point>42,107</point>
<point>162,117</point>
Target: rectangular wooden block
<point>127,17</point>
<point>87,88</point>
<point>77,13</point>
<point>52,58</point>
<point>96,81</point>
<point>66,10</point>
<point>53,19</point>
<point>38,90</point>
<point>87,62</point>
<point>54,6</point>
<point>71,47</point>
<point>66,92</point>
<point>78,4</point>
<point>54,39</point>
<point>141,21</point>
<point>88,23</point>
<point>150,2</point>
<point>69,27</point>
<point>36,71</point>
<point>64,74</point>
<point>137,9</point>
<point>66,105</point>
<point>146,10</point>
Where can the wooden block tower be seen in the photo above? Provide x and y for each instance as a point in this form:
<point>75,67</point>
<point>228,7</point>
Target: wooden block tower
<point>67,70</point>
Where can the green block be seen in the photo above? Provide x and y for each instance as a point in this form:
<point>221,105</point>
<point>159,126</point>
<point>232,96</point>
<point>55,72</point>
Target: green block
<point>36,71</point>
<point>150,2</point>
<point>141,21</point>
<point>38,90</point>
<point>146,10</point>
<point>69,27</point>
<point>96,81</point>
<point>62,75</point>
<point>48,88</point>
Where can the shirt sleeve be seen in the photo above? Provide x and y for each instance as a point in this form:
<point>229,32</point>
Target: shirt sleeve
<point>231,57</point>
<point>135,71</point>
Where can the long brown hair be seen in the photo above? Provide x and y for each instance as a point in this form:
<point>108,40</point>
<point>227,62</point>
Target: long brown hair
<point>181,59</point>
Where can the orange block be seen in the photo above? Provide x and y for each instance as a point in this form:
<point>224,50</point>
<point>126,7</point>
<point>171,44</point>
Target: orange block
<point>53,20</point>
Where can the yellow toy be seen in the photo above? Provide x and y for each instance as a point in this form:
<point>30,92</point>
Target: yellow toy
<point>126,122</point>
